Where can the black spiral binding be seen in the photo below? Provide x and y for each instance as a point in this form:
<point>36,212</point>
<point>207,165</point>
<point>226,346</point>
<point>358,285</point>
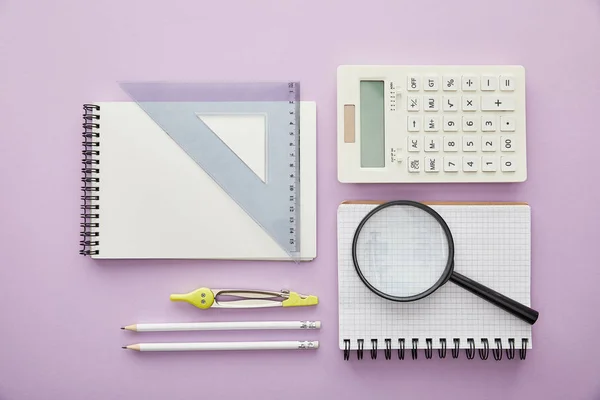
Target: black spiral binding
<point>442,349</point>
<point>470,352</point>
<point>90,180</point>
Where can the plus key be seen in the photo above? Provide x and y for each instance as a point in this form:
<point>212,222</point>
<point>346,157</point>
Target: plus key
<point>497,103</point>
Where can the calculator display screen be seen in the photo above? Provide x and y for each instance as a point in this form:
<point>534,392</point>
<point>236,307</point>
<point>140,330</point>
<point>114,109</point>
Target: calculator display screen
<point>372,133</point>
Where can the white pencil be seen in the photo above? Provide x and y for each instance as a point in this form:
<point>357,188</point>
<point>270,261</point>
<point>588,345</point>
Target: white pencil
<point>207,346</point>
<point>223,326</point>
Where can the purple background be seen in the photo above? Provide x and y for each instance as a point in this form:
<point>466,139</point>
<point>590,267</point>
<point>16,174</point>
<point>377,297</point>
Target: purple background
<point>61,313</point>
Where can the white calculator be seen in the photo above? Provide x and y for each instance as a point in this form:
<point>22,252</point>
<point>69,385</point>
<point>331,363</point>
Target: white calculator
<point>431,124</point>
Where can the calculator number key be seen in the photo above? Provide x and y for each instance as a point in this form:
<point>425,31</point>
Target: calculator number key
<point>470,143</point>
<point>450,124</point>
<point>489,164</point>
<point>451,164</point>
<point>488,124</point>
<point>507,144</point>
<point>470,164</point>
<point>508,164</point>
<point>489,143</point>
<point>451,144</point>
<point>469,124</point>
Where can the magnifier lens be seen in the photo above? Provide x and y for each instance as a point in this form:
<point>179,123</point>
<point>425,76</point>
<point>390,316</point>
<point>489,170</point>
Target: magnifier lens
<point>402,251</point>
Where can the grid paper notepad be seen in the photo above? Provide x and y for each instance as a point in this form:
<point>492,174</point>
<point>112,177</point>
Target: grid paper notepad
<point>492,246</point>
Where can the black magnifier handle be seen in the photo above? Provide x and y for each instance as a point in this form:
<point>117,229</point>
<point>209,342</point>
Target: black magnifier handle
<point>515,308</point>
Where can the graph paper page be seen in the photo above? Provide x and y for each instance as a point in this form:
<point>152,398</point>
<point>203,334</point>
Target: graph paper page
<point>492,246</point>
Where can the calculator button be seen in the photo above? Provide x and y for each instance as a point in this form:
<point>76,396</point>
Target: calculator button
<point>489,164</point>
<point>451,143</point>
<point>413,83</point>
<point>451,164</point>
<point>431,83</point>
<point>450,83</point>
<point>469,83</point>
<point>413,104</point>
<point>414,124</point>
<point>489,143</point>
<point>414,144</point>
<point>451,123</point>
<point>497,103</point>
<point>469,103</point>
<point>431,103</point>
<point>431,144</point>
<point>507,143</point>
<point>507,83</point>
<point>470,143</point>
<point>450,103</point>
<point>432,124</point>
<point>432,164</point>
<point>469,124</point>
<point>488,123</point>
<point>507,124</point>
<point>470,164</point>
<point>489,83</point>
<point>414,164</point>
<point>508,164</point>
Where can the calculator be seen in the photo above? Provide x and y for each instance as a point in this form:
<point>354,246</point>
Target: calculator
<point>418,124</point>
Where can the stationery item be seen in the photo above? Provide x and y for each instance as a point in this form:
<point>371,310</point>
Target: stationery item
<point>223,326</point>
<point>444,123</point>
<point>273,345</point>
<point>201,171</point>
<point>404,251</point>
<point>205,298</point>
<point>491,244</point>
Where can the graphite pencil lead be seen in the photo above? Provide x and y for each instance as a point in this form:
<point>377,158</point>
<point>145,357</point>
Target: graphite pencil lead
<point>124,347</point>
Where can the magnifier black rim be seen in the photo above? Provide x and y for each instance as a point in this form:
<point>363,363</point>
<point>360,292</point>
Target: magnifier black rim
<point>449,264</point>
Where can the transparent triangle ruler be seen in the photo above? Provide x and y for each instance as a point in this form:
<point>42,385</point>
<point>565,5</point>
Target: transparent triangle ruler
<point>186,112</point>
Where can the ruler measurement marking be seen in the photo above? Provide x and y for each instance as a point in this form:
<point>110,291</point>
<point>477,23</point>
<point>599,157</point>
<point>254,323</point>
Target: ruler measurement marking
<point>294,173</point>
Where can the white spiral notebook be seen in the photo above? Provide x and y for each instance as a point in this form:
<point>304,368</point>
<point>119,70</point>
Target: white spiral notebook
<point>145,197</point>
<point>492,246</point>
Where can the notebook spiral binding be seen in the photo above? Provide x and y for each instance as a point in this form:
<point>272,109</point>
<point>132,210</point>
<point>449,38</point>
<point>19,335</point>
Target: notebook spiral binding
<point>90,180</point>
<point>470,352</point>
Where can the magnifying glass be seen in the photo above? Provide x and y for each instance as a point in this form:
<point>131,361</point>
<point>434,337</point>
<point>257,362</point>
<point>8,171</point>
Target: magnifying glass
<point>404,251</point>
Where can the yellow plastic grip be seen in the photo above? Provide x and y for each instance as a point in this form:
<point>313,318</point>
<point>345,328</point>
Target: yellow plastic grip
<point>202,298</point>
<point>296,301</point>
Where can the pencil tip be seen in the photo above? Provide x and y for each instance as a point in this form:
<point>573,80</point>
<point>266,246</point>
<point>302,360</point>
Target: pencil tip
<point>124,347</point>
<point>122,328</point>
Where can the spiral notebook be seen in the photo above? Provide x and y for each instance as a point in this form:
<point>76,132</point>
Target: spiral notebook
<point>146,198</point>
<point>492,246</point>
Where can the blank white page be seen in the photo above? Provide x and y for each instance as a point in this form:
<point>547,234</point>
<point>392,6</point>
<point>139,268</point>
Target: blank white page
<point>156,202</point>
<point>492,247</point>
